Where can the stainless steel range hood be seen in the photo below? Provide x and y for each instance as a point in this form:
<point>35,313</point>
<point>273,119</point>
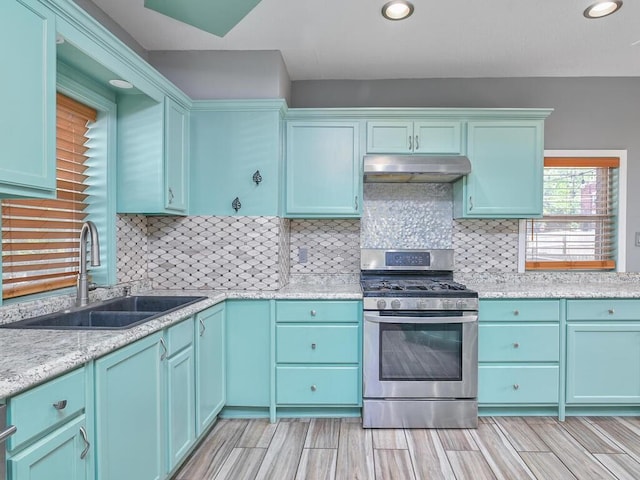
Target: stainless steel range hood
<point>415,168</point>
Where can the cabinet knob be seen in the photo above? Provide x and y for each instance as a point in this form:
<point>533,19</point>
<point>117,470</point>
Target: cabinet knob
<point>516,345</point>
<point>257,178</point>
<point>611,311</point>
<point>516,312</point>
<point>313,388</point>
<point>313,313</point>
<point>313,346</point>
<point>236,205</point>
<point>60,405</point>
<point>516,386</point>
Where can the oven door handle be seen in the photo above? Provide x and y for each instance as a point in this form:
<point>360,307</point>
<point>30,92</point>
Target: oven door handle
<point>376,318</point>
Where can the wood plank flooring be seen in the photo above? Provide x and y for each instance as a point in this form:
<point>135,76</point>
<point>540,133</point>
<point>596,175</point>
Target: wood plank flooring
<point>501,448</point>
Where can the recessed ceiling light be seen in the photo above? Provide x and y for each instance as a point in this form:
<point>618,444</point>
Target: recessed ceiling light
<point>120,83</point>
<point>397,10</point>
<point>602,9</point>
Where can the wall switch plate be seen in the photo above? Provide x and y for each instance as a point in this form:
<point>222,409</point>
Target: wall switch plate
<point>637,239</point>
<point>303,254</point>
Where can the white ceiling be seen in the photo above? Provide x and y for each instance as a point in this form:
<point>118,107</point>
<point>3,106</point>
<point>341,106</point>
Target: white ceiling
<point>349,39</point>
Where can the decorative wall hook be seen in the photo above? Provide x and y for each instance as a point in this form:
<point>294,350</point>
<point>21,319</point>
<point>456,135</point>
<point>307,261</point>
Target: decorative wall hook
<point>236,204</point>
<point>257,177</point>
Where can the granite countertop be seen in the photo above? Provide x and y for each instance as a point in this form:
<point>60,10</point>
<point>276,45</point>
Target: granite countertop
<point>31,356</point>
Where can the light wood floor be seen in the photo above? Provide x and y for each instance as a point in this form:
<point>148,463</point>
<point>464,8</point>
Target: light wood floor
<point>509,448</point>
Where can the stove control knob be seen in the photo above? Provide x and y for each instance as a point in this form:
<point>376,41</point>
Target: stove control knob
<point>382,304</point>
<point>461,304</point>
<point>395,304</point>
<point>447,304</point>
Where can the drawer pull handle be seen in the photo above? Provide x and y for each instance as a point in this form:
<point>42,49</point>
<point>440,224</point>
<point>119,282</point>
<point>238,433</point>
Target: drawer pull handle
<point>516,386</point>
<point>516,312</point>
<point>313,388</point>
<point>87,445</point>
<point>313,346</point>
<point>60,405</point>
<point>11,429</point>
<point>313,313</point>
<point>611,311</point>
<point>516,345</point>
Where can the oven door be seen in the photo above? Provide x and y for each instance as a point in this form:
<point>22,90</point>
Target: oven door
<point>418,355</point>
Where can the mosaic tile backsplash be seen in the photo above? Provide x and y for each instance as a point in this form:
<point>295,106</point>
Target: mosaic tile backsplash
<point>200,252</point>
<point>132,248</point>
<point>485,246</point>
<point>407,215</point>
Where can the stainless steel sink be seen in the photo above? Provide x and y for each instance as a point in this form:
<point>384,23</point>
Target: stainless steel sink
<point>114,314</point>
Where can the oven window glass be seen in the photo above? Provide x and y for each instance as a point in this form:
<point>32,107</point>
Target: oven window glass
<point>418,352</point>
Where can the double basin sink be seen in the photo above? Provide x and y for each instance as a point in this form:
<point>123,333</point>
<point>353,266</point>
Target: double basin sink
<point>114,314</point>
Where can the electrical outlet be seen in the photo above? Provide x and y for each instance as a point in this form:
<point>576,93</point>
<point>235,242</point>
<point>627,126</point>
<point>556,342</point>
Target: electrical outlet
<point>303,254</point>
<point>637,239</point>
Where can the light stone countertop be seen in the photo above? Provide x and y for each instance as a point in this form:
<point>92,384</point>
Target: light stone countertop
<point>31,356</point>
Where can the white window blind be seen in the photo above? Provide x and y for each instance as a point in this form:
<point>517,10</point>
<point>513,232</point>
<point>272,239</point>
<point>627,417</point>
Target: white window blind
<point>578,227</point>
<point>40,237</point>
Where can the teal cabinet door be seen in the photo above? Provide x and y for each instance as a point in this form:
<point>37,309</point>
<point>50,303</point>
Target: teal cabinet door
<point>176,156</point>
<point>210,366</point>
<point>603,363</point>
<point>28,114</point>
<point>180,405</point>
<point>130,419</point>
<point>422,137</point>
<point>248,346</point>
<point>59,455</point>
<point>152,156</point>
<point>235,154</point>
<point>323,173</point>
<point>506,170</point>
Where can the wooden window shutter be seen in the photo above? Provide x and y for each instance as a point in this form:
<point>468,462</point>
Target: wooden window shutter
<point>40,237</point>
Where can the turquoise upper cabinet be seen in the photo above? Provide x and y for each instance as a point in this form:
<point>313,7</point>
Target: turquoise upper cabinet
<point>423,137</point>
<point>323,173</point>
<point>506,170</point>
<point>28,114</point>
<point>130,395</point>
<point>210,366</point>
<point>152,156</point>
<point>236,153</point>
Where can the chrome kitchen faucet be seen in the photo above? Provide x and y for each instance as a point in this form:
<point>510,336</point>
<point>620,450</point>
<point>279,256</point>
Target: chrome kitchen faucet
<point>83,282</point>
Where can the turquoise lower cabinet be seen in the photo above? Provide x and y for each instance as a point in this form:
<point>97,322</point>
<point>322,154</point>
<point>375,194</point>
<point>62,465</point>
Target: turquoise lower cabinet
<point>519,349</point>
<point>507,170</point>
<point>130,421</point>
<point>210,366</point>
<point>248,353</point>
<point>318,357</point>
<point>28,114</point>
<point>323,173</point>
<point>181,392</point>
<point>603,363</point>
<point>63,454</point>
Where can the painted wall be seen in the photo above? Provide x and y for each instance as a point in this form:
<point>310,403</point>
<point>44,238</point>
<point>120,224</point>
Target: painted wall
<point>205,75</point>
<point>590,113</point>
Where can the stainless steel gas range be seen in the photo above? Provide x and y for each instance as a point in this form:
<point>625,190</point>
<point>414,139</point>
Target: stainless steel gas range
<point>420,341</point>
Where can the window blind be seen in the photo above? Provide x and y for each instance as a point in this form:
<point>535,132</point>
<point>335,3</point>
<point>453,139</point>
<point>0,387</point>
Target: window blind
<point>40,237</point>
<point>578,228</point>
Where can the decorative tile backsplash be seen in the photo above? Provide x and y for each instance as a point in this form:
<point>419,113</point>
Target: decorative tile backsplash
<point>485,246</point>
<point>131,245</point>
<point>323,247</point>
<point>200,252</point>
<point>417,215</point>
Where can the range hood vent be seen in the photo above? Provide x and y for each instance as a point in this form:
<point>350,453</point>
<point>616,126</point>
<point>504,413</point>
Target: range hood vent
<point>414,168</point>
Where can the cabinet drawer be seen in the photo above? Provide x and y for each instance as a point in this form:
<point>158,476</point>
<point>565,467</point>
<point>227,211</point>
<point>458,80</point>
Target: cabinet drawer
<point>518,343</point>
<point>179,336</point>
<point>33,411</point>
<point>318,385</point>
<point>519,310</point>
<point>317,343</point>
<point>517,384</point>
<point>602,309</point>
<point>315,311</point>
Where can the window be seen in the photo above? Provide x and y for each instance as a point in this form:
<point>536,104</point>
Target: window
<point>40,237</point>
<point>578,230</point>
